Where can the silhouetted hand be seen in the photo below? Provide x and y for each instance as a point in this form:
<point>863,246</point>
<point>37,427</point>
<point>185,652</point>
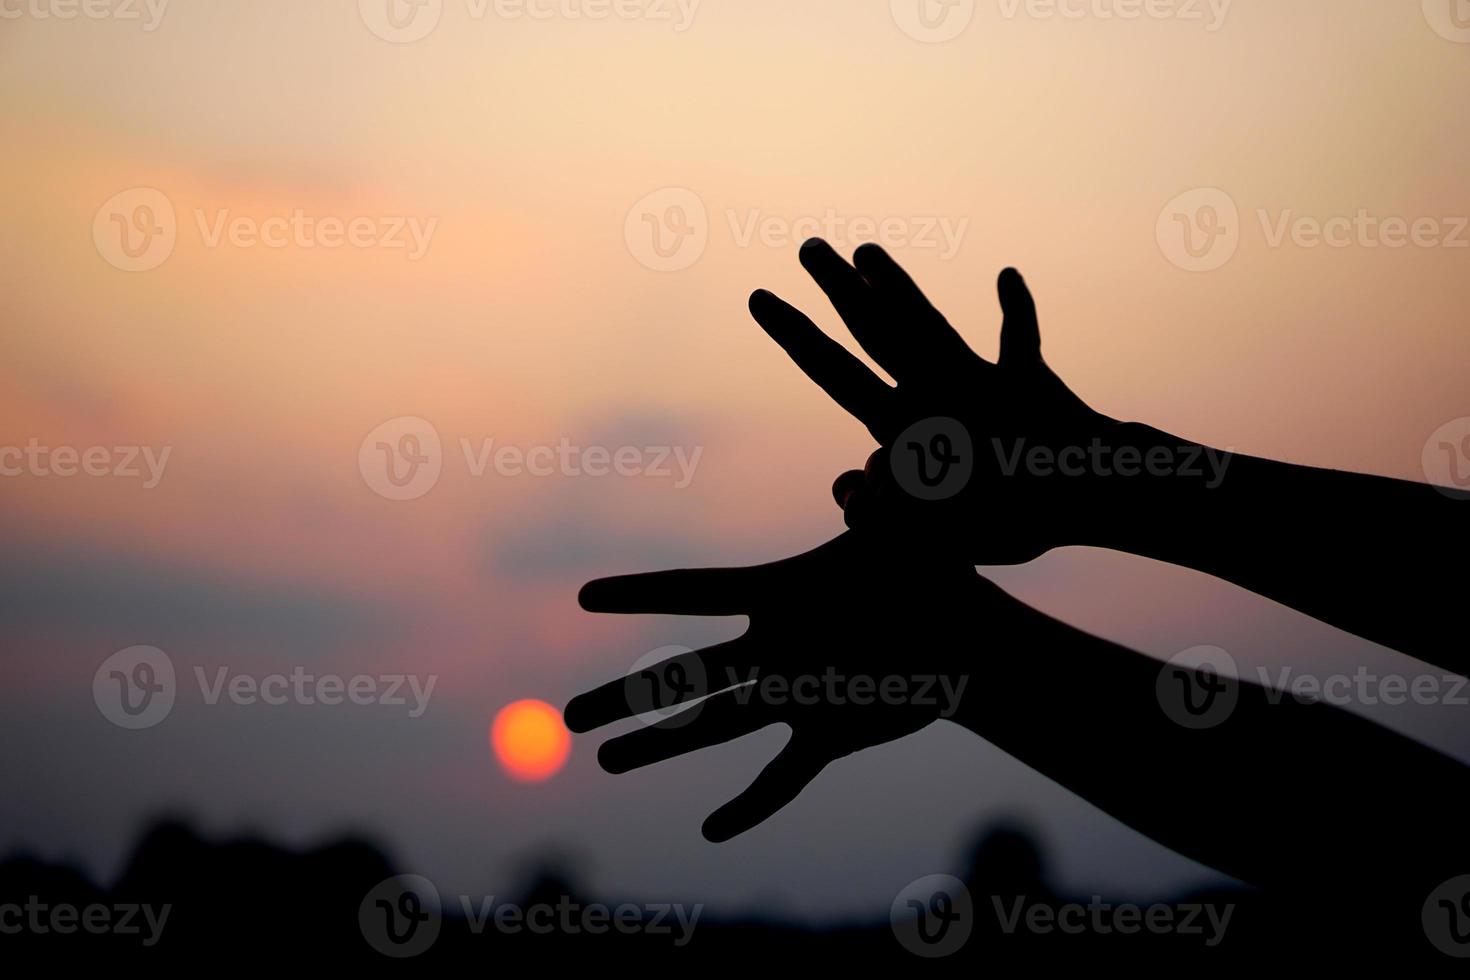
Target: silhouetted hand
<point>1205,764</point>
<point>957,430</point>
<point>850,645</point>
<point>998,463</point>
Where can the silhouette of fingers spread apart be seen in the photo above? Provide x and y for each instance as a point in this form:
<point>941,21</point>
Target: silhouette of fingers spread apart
<point>806,661</point>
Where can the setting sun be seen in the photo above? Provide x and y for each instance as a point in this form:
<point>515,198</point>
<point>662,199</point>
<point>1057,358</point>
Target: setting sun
<point>530,740</point>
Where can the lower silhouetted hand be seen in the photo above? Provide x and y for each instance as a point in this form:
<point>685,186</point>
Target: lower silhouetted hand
<point>855,644</point>
<point>849,645</point>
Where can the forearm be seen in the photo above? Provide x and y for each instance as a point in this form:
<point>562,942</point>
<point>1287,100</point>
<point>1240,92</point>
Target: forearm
<point>1277,793</point>
<point>1364,553</point>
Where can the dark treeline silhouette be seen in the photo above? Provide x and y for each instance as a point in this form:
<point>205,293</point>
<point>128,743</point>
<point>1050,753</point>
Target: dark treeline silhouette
<point>247,900</point>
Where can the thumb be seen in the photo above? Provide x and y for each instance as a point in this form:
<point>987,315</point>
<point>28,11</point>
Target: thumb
<point>1020,336</point>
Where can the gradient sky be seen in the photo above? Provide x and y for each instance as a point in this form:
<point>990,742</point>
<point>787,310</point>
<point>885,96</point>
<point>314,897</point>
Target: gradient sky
<point>1054,144</point>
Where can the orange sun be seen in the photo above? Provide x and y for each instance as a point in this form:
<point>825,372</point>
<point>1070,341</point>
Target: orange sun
<point>530,740</point>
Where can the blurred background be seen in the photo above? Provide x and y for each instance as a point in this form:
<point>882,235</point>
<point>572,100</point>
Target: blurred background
<point>250,245</point>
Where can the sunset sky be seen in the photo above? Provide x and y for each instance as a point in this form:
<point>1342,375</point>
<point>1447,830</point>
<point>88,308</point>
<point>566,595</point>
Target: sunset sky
<point>529,154</point>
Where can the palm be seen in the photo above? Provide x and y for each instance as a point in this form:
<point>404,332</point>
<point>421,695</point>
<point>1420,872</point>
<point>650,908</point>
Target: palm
<point>806,661</point>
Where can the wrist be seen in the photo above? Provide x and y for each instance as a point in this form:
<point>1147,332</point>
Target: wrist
<point>1134,480</point>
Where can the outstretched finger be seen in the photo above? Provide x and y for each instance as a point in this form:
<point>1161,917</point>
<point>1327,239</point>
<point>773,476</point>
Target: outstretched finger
<point>713,722</point>
<point>1020,336</point>
<point>841,375</point>
<point>779,783</point>
<point>852,296</point>
<point>925,344</point>
<point>680,592</point>
<point>677,680</point>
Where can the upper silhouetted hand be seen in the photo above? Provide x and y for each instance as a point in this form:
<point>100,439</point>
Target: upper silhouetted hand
<point>957,429</point>
<point>998,463</point>
<point>849,644</point>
